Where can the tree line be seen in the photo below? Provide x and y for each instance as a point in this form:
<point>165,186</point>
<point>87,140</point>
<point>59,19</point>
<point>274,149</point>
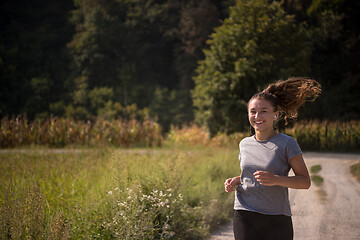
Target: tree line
<point>176,60</point>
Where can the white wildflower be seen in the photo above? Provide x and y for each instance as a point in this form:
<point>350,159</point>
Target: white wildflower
<point>166,226</point>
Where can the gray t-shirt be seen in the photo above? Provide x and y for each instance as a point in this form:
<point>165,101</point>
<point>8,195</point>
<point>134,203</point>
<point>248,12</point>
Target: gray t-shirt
<point>272,155</point>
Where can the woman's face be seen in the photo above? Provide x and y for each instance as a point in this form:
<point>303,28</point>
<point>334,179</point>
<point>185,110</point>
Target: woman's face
<point>261,115</point>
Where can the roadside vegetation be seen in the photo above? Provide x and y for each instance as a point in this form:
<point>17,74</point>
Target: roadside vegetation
<point>355,171</point>
<point>315,178</point>
<point>327,136</point>
<point>315,169</point>
<point>115,194</point>
<point>125,179</point>
<point>67,132</point>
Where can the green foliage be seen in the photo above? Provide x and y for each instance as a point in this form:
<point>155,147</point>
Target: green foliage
<point>315,169</point>
<point>171,107</point>
<point>334,35</point>
<point>39,190</point>
<point>83,59</point>
<point>317,180</point>
<point>156,54</point>
<point>355,170</point>
<point>100,96</point>
<point>35,63</point>
<point>93,43</point>
<point>197,19</point>
<point>131,47</point>
<point>256,45</point>
<point>123,194</point>
<point>97,102</point>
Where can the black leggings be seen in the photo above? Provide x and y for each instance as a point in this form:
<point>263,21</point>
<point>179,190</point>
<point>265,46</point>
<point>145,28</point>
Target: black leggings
<point>256,226</point>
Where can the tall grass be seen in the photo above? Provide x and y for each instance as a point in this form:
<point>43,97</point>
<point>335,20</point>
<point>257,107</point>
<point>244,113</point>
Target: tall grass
<point>311,136</point>
<point>114,194</point>
<point>165,193</point>
<point>194,135</point>
<point>60,132</point>
<point>327,136</point>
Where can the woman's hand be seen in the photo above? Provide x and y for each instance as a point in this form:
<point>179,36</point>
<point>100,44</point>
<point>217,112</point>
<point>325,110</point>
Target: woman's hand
<point>301,180</point>
<point>231,184</point>
<point>265,178</point>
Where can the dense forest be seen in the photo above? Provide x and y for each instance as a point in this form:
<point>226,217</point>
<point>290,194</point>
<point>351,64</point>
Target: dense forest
<point>175,60</point>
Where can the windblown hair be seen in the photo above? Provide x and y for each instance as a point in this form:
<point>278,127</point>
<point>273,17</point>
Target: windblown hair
<point>288,95</point>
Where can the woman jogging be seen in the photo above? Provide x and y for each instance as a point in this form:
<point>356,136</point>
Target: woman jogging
<point>262,207</point>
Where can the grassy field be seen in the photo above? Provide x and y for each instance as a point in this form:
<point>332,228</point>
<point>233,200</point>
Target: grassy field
<point>167,193</point>
<point>173,190</point>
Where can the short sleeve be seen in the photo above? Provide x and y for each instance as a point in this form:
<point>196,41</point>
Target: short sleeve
<point>292,149</point>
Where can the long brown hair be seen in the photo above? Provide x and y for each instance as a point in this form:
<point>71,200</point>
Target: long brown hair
<point>288,95</point>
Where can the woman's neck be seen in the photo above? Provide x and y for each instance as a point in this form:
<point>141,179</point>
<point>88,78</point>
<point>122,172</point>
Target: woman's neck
<point>263,136</point>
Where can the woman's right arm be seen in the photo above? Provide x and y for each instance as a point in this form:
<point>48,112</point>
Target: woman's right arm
<point>232,183</point>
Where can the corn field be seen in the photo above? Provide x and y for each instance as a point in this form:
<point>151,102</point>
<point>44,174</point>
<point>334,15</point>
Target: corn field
<point>327,136</point>
<point>60,132</point>
<point>311,136</point>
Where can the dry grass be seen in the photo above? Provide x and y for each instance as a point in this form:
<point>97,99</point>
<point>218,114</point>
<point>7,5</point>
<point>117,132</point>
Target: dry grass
<point>327,136</point>
<point>311,136</point>
<point>23,217</point>
<point>194,135</point>
<point>60,132</point>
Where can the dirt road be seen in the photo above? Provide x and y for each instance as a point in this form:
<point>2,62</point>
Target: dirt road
<point>328,211</point>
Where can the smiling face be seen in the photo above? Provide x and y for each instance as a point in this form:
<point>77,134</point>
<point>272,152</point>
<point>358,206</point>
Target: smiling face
<point>261,115</point>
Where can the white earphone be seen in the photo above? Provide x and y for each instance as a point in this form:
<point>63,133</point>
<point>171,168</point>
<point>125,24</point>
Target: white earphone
<point>275,117</point>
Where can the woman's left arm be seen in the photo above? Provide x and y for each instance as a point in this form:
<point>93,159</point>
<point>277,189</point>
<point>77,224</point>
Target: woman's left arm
<point>301,180</point>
